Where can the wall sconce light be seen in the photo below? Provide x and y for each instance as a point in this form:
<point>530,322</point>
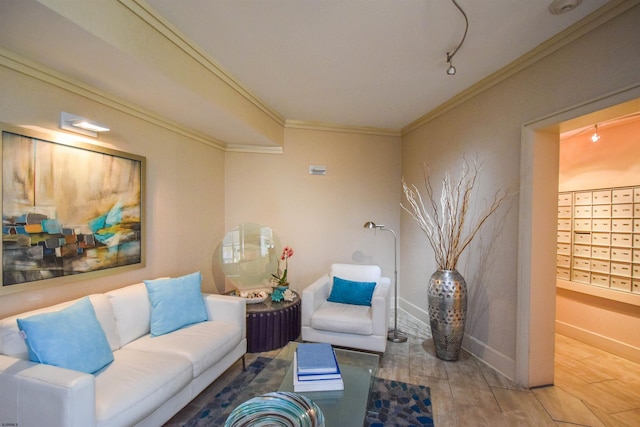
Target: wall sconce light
<point>81,125</point>
<point>595,137</point>
<point>452,70</point>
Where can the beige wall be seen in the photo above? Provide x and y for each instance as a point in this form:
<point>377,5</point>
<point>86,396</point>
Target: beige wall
<point>185,194</point>
<point>489,126</point>
<point>584,165</point>
<point>195,193</point>
<point>321,217</point>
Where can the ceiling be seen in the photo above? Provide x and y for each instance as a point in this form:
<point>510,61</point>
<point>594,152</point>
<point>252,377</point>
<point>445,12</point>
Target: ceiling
<point>359,63</point>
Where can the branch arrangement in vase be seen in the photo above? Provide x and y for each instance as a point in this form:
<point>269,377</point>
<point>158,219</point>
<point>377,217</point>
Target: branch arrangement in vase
<point>444,223</point>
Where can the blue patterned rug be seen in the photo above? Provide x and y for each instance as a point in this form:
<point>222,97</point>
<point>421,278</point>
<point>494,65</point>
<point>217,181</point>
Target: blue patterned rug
<point>392,403</point>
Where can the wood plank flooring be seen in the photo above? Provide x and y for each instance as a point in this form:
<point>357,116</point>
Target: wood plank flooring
<point>592,387</point>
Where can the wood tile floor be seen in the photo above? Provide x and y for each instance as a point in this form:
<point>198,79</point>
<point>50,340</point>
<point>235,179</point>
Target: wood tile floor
<point>592,387</point>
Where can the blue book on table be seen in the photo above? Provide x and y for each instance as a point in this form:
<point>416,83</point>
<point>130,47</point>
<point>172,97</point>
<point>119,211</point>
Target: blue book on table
<point>301,377</point>
<point>316,358</point>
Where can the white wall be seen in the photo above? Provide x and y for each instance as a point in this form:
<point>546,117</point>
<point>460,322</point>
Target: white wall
<point>489,125</point>
<point>185,193</point>
<point>321,217</point>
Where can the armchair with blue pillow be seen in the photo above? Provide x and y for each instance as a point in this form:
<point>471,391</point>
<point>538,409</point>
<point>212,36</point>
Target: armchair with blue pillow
<point>348,307</point>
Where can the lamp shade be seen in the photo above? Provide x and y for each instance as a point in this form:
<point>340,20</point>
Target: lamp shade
<point>371,224</point>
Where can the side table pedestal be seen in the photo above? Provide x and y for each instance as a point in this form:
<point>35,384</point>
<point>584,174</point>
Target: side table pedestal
<point>271,325</point>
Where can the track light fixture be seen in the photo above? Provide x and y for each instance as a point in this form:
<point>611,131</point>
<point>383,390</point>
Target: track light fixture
<point>595,137</point>
<point>452,70</point>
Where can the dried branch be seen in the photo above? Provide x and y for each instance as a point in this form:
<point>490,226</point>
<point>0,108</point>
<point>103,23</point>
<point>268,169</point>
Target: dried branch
<point>444,225</point>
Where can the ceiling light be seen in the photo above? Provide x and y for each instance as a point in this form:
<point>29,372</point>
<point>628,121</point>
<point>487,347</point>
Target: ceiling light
<point>452,70</point>
<point>558,7</point>
<point>81,125</point>
<point>595,137</point>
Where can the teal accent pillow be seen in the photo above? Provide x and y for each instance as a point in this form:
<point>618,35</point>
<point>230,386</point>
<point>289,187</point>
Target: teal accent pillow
<point>71,338</point>
<point>175,303</point>
<point>350,292</point>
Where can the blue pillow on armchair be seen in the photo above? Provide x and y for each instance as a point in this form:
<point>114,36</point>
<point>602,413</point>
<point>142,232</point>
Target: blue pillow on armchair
<point>350,292</point>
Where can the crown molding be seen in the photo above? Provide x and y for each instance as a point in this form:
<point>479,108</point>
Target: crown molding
<point>40,72</point>
<point>256,149</point>
<point>146,13</point>
<point>328,127</point>
<point>570,34</point>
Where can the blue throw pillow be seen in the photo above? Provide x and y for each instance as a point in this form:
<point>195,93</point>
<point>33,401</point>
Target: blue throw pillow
<point>350,292</point>
<point>175,303</point>
<point>71,338</point>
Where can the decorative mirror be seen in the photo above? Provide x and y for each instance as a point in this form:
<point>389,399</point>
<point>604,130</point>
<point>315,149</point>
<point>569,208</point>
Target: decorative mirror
<point>249,255</point>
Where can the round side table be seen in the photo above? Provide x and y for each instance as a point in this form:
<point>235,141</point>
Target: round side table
<point>271,325</point>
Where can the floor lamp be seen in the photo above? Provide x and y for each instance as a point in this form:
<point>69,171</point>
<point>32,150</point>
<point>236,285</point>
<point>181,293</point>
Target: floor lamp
<point>394,334</point>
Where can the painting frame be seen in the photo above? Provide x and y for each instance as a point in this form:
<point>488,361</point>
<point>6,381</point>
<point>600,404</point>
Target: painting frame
<point>72,209</point>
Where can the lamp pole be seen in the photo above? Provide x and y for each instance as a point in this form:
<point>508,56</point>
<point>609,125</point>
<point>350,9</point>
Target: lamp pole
<point>393,335</point>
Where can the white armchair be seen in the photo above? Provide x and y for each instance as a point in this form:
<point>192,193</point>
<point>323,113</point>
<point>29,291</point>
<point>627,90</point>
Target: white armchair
<point>356,326</point>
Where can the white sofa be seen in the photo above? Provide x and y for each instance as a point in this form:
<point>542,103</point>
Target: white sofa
<point>356,326</point>
<point>150,379</point>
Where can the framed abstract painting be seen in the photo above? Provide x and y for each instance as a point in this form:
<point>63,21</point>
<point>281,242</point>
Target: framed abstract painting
<point>68,208</point>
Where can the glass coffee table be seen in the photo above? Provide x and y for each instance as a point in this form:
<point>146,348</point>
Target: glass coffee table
<point>340,408</point>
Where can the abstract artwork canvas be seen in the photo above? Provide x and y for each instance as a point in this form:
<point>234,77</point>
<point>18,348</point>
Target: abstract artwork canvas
<point>68,209</point>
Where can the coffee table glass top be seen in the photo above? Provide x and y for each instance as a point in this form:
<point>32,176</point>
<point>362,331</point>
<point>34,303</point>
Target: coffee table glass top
<point>340,408</point>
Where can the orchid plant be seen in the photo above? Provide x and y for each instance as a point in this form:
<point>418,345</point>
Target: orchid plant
<point>280,277</point>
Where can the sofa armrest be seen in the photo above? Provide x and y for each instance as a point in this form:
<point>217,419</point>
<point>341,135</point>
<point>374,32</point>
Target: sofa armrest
<point>381,306</point>
<point>314,295</point>
<point>227,307</point>
<point>34,394</point>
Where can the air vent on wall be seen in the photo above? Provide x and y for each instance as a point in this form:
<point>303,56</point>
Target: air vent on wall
<point>317,170</point>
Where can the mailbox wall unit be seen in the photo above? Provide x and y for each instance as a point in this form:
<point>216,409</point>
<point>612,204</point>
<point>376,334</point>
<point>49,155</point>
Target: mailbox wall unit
<point>599,238</point>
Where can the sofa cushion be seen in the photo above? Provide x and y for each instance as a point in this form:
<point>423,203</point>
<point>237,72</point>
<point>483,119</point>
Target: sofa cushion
<point>131,310</point>
<point>12,344</point>
<point>351,292</point>
<point>136,384</point>
<point>346,318</point>
<point>175,303</point>
<point>104,314</point>
<point>70,338</point>
<point>203,344</point>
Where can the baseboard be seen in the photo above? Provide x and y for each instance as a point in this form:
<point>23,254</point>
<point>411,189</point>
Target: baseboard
<point>490,356</point>
<point>618,348</point>
<point>411,309</point>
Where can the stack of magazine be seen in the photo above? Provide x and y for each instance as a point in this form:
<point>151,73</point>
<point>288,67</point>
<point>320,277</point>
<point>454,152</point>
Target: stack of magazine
<point>315,368</point>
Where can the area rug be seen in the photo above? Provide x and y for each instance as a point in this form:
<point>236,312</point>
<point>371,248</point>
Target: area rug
<point>392,403</point>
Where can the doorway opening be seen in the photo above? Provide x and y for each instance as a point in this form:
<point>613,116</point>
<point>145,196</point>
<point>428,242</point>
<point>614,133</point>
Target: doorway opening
<point>538,222</point>
<point>598,250</point>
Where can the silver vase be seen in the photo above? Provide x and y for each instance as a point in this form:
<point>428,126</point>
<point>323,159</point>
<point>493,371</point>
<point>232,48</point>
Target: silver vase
<point>447,312</point>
